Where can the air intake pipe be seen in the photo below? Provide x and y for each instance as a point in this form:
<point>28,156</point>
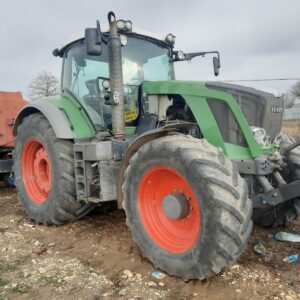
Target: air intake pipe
<point>116,79</point>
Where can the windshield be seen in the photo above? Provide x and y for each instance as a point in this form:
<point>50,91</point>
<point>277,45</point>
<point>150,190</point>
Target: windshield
<point>142,61</point>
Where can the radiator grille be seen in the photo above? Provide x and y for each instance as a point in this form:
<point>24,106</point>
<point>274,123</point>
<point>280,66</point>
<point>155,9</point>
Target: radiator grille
<point>261,109</point>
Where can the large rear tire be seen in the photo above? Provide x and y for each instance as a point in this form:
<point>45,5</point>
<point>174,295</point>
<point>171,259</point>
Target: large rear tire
<point>44,173</point>
<point>287,212</point>
<point>187,206</point>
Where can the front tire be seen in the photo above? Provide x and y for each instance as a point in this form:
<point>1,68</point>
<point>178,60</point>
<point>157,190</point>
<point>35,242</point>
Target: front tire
<point>193,242</point>
<point>44,173</point>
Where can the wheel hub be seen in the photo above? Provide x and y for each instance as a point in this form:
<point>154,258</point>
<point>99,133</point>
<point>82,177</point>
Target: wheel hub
<point>169,210</point>
<point>36,171</point>
<point>42,170</point>
<point>176,206</point>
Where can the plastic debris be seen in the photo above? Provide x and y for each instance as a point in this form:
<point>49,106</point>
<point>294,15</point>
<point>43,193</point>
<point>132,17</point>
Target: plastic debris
<point>122,292</point>
<point>287,237</point>
<point>259,248</point>
<point>158,275</point>
<point>11,180</point>
<point>28,225</point>
<point>291,258</point>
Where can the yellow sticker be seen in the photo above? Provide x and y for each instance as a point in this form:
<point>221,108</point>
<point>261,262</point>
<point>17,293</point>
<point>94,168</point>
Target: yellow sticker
<point>131,115</point>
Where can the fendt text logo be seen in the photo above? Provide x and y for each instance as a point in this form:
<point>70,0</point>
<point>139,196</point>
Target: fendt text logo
<point>276,109</point>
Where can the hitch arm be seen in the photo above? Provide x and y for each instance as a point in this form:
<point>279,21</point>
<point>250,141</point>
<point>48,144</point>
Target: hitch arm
<point>289,148</point>
<point>277,196</point>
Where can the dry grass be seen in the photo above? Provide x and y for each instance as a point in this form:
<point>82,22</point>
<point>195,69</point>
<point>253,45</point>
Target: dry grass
<point>292,128</point>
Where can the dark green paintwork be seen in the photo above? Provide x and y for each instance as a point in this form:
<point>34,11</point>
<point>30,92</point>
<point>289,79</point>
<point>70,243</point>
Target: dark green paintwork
<point>196,94</point>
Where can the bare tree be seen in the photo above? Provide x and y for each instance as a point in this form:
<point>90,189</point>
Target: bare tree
<point>45,84</point>
<point>296,89</point>
<point>289,100</point>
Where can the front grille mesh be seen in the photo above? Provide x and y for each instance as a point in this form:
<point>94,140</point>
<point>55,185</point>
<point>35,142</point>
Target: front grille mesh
<point>257,106</point>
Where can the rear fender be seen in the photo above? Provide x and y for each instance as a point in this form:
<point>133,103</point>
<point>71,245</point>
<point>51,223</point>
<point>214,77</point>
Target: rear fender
<point>66,118</point>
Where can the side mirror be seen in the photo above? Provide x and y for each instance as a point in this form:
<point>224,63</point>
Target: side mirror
<point>217,65</point>
<point>93,39</point>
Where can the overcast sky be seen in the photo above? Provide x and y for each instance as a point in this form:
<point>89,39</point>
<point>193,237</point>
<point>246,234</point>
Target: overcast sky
<point>256,38</point>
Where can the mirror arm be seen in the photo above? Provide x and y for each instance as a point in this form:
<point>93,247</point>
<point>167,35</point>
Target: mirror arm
<point>102,37</point>
<point>190,56</point>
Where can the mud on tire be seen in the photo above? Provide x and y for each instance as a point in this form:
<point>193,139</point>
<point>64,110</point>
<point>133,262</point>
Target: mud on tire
<point>61,205</point>
<point>221,194</point>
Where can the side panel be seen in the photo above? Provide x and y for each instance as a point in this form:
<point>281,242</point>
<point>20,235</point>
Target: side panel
<point>65,115</point>
<point>196,95</point>
<point>6,165</point>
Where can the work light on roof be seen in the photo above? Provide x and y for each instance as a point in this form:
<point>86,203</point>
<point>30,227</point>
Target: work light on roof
<point>124,25</point>
<point>170,39</point>
<point>128,25</point>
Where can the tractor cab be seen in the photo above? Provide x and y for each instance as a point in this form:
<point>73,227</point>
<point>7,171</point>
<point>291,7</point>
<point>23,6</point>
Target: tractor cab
<point>86,76</point>
<point>145,57</point>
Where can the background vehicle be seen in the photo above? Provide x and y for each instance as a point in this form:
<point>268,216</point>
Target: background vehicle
<point>187,160</point>
<point>10,104</point>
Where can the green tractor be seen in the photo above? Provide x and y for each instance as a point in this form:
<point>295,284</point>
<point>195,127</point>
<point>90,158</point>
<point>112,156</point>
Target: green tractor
<point>187,160</point>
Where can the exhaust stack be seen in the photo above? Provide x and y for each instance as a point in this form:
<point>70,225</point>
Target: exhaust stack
<point>116,79</point>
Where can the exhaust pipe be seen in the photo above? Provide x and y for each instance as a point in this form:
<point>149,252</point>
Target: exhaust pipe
<point>116,79</point>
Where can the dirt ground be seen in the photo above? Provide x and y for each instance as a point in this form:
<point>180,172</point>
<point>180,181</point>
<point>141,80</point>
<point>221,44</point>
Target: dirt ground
<point>292,128</point>
<point>95,258</point>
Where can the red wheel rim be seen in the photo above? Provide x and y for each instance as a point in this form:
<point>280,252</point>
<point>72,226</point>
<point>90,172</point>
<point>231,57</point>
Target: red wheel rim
<point>173,236</point>
<point>36,171</point>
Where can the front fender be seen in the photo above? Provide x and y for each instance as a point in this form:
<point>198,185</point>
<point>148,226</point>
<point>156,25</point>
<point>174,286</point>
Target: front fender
<point>66,118</point>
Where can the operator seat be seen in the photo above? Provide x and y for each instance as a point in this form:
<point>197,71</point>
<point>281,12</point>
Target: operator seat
<point>92,99</point>
<point>95,101</point>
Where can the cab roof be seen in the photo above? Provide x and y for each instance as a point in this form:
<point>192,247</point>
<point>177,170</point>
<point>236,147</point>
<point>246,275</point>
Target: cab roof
<point>105,29</point>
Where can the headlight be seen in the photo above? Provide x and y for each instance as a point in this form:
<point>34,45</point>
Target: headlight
<point>105,84</point>
<point>170,39</point>
<point>123,39</point>
<point>260,136</point>
<point>180,55</point>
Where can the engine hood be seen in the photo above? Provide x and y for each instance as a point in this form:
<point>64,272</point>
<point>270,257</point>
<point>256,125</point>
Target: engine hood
<point>199,96</point>
<point>260,108</point>
<point>174,87</point>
